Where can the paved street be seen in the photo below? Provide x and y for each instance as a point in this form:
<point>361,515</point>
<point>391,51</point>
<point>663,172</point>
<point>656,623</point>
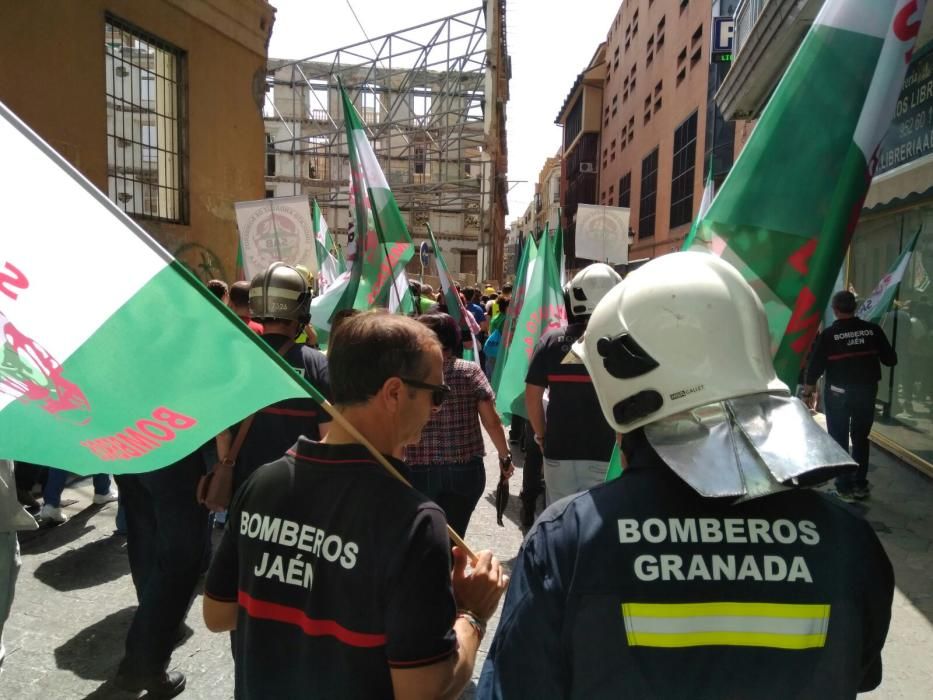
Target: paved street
<point>75,600</point>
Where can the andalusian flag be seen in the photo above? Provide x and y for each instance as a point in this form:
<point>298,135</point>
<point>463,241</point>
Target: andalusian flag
<point>507,331</point>
<point>329,267</point>
<point>115,358</point>
<point>879,303</point>
<point>379,246</point>
<point>455,305</point>
<point>786,213</point>
<point>542,309</point>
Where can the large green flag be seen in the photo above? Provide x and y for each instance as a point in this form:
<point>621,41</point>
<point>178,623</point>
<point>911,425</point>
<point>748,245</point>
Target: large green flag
<point>785,215</point>
<point>529,253</point>
<point>542,310</point>
<point>85,383</point>
<point>378,246</point>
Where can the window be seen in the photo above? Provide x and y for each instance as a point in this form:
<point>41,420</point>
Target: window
<point>685,148</point>
<point>649,192</point>
<point>270,194</point>
<point>146,124</point>
<point>270,155</point>
<point>369,94</point>
<point>625,190</point>
<point>421,106</point>
<point>419,160</point>
<point>697,35</point>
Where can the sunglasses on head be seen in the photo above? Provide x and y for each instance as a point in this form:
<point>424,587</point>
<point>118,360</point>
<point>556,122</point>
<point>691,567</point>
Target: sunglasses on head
<point>438,391</point>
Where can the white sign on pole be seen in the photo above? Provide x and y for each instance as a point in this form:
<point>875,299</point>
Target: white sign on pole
<point>602,233</point>
<point>273,230</point>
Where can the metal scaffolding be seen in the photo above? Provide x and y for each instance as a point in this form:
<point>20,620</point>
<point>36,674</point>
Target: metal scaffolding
<point>430,99</point>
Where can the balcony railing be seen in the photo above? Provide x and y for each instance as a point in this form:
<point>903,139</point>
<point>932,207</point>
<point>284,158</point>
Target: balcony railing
<point>746,14</point>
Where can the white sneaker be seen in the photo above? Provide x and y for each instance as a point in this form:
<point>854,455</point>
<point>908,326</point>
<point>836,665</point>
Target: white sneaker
<point>48,512</point>
<point>101,498</point>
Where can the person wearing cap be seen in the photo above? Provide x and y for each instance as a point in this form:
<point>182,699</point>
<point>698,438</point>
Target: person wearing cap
<point>850,352</point>
<point>708,569</point>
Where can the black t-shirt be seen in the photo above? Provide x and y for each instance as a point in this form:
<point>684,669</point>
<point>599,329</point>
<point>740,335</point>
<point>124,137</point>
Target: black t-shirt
<point>576,427</point>
<point>641,588</point>
<point>850,351</point>
<point>340,571</point>
<point>277,427</point>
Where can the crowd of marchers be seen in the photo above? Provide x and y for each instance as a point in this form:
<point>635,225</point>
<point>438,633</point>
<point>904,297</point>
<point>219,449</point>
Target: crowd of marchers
<point>334,578</point>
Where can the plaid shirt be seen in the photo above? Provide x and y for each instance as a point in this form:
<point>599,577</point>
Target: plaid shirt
<point>453,434</point>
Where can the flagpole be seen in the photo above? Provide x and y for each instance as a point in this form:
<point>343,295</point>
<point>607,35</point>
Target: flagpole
<point>358,436</point>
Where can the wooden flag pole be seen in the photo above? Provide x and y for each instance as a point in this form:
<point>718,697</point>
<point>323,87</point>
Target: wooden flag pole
<point>358,436</point>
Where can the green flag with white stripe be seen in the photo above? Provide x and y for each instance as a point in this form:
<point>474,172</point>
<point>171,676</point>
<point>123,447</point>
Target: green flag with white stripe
<point>143,364</point>
<point>786,212</point>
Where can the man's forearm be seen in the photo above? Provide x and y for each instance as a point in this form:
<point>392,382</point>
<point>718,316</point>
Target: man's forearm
<point>534,405</point>
<point>467,645</point>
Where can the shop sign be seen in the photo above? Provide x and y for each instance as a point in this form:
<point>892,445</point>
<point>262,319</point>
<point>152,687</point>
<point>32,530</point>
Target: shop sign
<point>911,133</point>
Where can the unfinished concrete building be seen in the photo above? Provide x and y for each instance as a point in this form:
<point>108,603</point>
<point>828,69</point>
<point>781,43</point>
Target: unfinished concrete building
<point>432,98</point>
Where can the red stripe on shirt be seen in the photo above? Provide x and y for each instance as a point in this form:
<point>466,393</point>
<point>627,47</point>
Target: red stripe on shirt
<point>263,610</point>
<point>574,378</point>
<point>294,454</point>
<point>288,412</point>
<point>844,355</point>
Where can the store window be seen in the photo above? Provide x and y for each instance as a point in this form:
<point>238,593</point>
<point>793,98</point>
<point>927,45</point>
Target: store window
<point>905,394</point>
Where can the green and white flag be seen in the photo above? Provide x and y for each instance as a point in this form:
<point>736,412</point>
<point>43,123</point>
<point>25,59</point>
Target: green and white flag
<point>542,310</point>
<point>115,358</point>
<point>879,303</point>
<point>455,305</point>
<point>507,330</point>
<point>329,267</point>
<point>785,214</point>
<point>378,246</point>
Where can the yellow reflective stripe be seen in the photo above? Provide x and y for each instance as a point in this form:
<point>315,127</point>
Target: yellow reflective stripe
<point>722,608</point>
<point>742,639</point>
<point>776,625</point>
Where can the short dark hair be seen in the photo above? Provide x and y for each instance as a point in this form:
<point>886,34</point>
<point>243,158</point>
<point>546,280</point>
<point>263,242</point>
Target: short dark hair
<point>239,293</point>
<point>368,349</point>
<point>446,330</point>
<point>469,293</point>
<point>844,302</point>
<point>218,287</point>
<point>506,288</point>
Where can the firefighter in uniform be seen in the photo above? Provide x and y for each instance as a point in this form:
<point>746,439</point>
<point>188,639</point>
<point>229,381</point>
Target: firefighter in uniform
<point>851,352</point>
<point>707,570</point>
<point>571,465</point>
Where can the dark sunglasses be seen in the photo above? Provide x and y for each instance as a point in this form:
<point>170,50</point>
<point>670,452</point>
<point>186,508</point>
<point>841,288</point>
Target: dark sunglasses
<point>438,391</point>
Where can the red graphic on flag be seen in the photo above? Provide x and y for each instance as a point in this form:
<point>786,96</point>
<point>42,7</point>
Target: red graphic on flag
<point>30,374</point>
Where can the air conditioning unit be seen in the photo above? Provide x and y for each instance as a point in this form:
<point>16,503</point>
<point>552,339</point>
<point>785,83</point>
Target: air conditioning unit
<point>587,168</point>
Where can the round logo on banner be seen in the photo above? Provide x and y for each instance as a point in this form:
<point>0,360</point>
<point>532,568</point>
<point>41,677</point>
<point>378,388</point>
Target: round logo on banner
<point>273,237</point>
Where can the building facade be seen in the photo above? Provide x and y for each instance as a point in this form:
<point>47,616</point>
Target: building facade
<point>435,118</point>
<point>660,128</point>
<point>898,207</point>
<point>429,142</point>
<point>147,101</point>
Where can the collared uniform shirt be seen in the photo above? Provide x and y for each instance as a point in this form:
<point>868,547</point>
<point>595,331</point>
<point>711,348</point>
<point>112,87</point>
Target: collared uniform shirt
<point>340,572</point>
<point>641,588</point>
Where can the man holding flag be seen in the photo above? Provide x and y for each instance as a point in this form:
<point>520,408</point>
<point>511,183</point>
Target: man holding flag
<point>850,352</point>
<point>337,577</point>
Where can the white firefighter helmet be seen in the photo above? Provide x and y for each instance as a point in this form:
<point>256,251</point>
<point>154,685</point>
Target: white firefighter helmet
<point>682,331</point>
<point>589,286</point>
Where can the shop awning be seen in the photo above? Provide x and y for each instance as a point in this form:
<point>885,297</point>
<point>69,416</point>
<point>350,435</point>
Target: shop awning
<point>915,178</point>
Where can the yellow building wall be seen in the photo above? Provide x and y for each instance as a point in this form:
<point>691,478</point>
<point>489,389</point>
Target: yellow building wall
<point>52,75</point>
